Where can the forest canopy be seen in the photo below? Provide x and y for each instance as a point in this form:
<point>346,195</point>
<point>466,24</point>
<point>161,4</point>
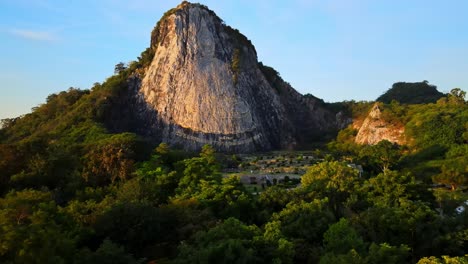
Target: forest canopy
<point>411,93</point>
<point>76,190</point>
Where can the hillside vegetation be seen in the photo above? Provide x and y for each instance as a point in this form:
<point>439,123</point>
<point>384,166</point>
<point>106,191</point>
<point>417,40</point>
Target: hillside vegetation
<point>411,93</point>
<point>78,184</point>
<point>74,191</point>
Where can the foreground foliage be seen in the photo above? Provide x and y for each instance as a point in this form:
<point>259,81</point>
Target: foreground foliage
<point>73,190</point>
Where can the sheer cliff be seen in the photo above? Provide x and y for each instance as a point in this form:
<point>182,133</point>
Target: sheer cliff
<point>205,85</point>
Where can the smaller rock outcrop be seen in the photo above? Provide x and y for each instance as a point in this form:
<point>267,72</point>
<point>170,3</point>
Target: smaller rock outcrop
<point>375,129</point>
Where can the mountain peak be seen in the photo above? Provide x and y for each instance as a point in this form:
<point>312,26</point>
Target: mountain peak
<point>187,4</point>
<point>179,17</point>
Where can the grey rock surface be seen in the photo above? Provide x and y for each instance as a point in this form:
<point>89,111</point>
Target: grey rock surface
<point>205,86</point>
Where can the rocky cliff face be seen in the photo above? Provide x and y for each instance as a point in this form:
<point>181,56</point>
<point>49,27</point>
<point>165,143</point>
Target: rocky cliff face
<point>205,86</point>
<point>375,129</point>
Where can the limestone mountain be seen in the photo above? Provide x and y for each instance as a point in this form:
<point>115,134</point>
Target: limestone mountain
<point>198,83</point>
<point>204,85</point>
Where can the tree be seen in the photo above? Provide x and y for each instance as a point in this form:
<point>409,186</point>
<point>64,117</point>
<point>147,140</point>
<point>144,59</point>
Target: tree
<point>208,153</point>
<point>54,168</point>
<point>303,224</point>
<point>185,217</point>
<point>33,230</point>
<point>110,159</point>
<point>340,238</point>
<point>444,260</point>
<point>391,188</point>
<point>344,245</point>
<point>227,199</point>
<point>135,225</point>
<point>196,172</point>
<point>119,67</point>
<point>456,96</point>
<point>275,198</point>
<point>332,179</point>
<point>410,223</point>
<point>11,162</point>
<point>156,187</point>
<point>384,154</point>
<point>305,220</point>
<point>276,244</point>
<point>454,172</point>
<point>230,242</point>
<point>8,122</point>
<point>384,253</point>
<point>107,253</point>
<point>352,257</point>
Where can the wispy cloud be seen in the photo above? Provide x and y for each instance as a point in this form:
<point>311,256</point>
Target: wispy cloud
<point>34,35</point>
<point>56,7</point>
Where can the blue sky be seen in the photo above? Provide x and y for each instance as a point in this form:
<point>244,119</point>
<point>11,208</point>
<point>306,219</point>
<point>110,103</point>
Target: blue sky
<point>334,49</point>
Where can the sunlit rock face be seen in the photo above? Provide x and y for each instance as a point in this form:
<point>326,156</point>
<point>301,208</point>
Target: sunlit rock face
<point>375,129</point>
<point>205,86</point>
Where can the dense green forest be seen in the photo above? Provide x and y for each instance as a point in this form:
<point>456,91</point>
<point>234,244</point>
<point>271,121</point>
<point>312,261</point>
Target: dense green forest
<point>74,192</point>
<point>411,93</point>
